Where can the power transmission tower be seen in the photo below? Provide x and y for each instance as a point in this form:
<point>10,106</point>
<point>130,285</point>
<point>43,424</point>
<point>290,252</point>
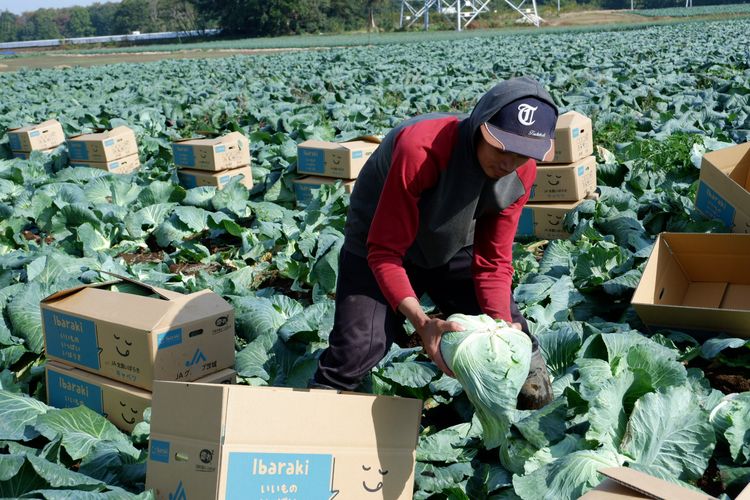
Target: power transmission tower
<point>464,11</point>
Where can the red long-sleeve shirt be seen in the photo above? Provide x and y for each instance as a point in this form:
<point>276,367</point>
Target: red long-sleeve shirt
<point>420,154</point>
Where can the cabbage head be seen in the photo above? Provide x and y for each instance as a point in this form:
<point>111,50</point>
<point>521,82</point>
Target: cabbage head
<point>491,362</point>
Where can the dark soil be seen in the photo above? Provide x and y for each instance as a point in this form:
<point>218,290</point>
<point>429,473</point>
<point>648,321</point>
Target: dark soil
<point>192,268</point>
<point>710,482</point>
<point>142,257</point>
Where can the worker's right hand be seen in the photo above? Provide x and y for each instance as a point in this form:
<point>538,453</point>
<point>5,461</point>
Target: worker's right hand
<point>431,331</point>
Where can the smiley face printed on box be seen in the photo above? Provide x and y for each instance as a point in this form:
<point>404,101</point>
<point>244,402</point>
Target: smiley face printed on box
<point>554,220</point>
<point>553,179</point>
<point>128,414</point>
<point>374,477</point>
<point>122,345</point>
<point>337,158</point>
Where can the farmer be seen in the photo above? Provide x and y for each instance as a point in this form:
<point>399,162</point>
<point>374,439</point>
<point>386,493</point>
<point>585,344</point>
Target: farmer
<point>435,210</point>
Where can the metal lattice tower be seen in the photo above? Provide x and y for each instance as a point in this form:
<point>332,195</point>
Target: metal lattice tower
<point>465,11</point>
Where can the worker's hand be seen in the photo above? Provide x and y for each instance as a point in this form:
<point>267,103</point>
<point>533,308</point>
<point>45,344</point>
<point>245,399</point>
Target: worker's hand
<point>431,331</point>
<point>517,326</point>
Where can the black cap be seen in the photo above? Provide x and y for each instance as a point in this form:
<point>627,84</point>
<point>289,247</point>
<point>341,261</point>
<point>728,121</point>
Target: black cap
<point>525,126</point>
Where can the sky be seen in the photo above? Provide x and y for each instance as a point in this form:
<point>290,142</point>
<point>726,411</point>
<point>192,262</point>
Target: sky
<point>19,6</point>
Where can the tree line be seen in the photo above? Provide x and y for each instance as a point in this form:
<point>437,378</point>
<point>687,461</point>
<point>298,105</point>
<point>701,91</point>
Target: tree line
<point>240,17</point>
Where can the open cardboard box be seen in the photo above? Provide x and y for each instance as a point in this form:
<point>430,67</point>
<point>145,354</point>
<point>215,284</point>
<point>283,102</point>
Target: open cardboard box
<point>343,160</point>
<point>238,442</point>
<point>622,483</point>
<point>136,339</point>
<point>697,282</point>
<point>219,153</point>
<point>121,404</point>
<point>724,187</point>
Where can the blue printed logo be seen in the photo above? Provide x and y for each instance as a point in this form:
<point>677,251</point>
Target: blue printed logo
<point>69,392</point>
<point>311,161</point>
<point>77,150</point>
<point>576,132</point>
<point>169,339</point>
<point>109,142</point>
<point>713,206</point>
<point>71,338</point>
<point>224,179</point>
<point>198,357</point>
<point>581,170</point>
<point>179,493</point>
<point>220,149</point>
<point>15,141</point>
<point>159,451</point>
<point>526,223</point>
<point>183,155</point>
<point>263,475</point>
<point>188,180</point>
<point>357,154</point>
<point>34,133</point>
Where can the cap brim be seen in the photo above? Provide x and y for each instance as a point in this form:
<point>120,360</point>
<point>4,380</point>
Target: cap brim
<point>540,149</point>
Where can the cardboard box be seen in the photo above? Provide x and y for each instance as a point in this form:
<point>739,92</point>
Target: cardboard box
<point>220,153</point>
<point>265,442</point>
<point>123,405</point>
<point>697,282</point>
<point>622,483</point>
<point>195,178</point>
<point>136,339</point>
<point>574,138</point>
<point>25,155</point>
<point>303,186</point>
<point>343,160</point>
<point>104,146</point>
<point>45,135</point>
<point>723,189</point>
<point>122,166</point>
<point>544,220</point>
<point>571,182</point>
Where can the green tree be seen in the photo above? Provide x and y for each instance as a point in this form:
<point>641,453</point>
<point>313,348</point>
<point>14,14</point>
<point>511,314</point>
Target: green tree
<point>103,17</point>
<point>40,25</point>
<point>79,23</point>
<point>8,26</point>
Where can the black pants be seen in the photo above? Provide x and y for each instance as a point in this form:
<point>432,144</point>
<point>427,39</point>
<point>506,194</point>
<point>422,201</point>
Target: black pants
<point>365,326</point>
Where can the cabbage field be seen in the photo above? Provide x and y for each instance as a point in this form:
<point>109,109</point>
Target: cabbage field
<point>668,403</point>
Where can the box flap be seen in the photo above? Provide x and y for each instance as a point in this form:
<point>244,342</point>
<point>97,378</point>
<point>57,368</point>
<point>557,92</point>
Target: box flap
<point>712,256</point>
<point>193,307</point>
<point>162,292</point>
<point>744,494</point>
<point>102,134</point>
<point>70,291</point>
<point>736,297</point>
<point>609,489</point>
<point>726,159</point>
<point>177,407</point>
<point>345,420</point>
<point>652,486</point>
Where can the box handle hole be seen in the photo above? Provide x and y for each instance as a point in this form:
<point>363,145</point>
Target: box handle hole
<point>195,333</point>
<point>181,457</point>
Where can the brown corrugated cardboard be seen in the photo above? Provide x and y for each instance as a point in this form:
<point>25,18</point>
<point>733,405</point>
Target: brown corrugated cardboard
<point>544,220</point>
<point>697,282</point>
<point>45,135</point>
<point>104,146</point>
<point>25,155</point>
<point>194,178</point>
<point>219,153</point>
<point>263,442</point>
<point>121,166</point>
<point>571,182</point>
<point>574,138</point>
<point>723,187</point>
<point>343,160</point>
<point>303,186</point>
<point>123,405</point>
<point>136,339</point>
<point>622,483</point>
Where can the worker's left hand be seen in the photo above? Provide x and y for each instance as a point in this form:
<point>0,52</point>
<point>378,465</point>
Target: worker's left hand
<point>517,326</point>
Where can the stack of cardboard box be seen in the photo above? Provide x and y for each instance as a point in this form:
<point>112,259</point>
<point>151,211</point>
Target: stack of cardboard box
<point>45,137</point>
<point>213,161</point>
<point>107,343</point>
<point>563,183</point>
<point>323,162</point>
<point>115,150</point>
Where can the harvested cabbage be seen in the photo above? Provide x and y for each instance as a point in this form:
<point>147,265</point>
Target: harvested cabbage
<point>491,362</point>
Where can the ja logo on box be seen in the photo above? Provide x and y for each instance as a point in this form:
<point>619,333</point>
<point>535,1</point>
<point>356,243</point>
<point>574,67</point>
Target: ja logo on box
<point>179,493</point>
<point>197,358</point>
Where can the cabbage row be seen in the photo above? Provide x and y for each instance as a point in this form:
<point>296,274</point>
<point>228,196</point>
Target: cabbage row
<point>659,98</point>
